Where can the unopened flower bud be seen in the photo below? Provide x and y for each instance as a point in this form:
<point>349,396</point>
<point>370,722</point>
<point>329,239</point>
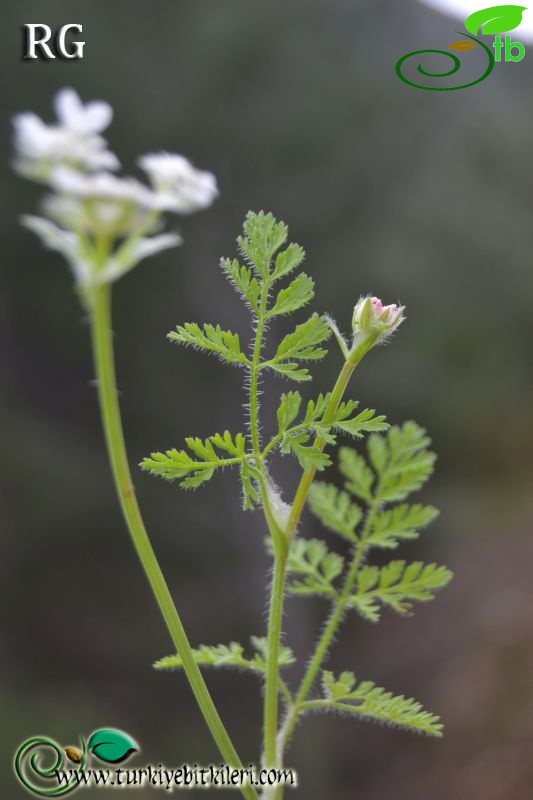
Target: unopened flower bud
<point>371,316</point>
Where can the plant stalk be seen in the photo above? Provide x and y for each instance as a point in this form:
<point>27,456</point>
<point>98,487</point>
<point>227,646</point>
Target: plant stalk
<point>277,740</point>
<point>107,393</point>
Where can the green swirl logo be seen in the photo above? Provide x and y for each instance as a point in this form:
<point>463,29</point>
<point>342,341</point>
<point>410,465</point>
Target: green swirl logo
<point>38,760</point>
<point>488,21</point>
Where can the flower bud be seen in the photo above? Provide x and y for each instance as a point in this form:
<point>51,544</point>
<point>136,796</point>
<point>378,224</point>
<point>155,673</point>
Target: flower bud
<point>371,316</point>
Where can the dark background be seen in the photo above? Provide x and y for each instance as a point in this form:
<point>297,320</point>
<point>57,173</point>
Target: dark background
<point>425,197</point>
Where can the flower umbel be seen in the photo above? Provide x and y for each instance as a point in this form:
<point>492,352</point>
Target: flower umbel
<point>99,221</point>
<point>75,141</point>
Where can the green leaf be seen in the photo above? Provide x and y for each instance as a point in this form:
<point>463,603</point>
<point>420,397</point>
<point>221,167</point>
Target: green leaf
<point>365,422</point>
<point>192,472</point>
<point>402,461</point>
<point>249,481</point>
<point>288,410</point>
<point>319,566</point>
<point>302,343</point>
<point>260,644</point>
<point>212,339</point>
<point>368,701</point>
<point>242,278</point>
<point>287,260</point>
<point>399,523</point>
<point>263,236</point>
<point>395,586</point>
<point>296,295</point>
<point>360,476</point>
<point>180,465</point>
<point>308,455</point>
<point>493,20</point>
<point>111,746</point>
<point>335,510</point>
<point>292,370</point>
<point>295,439</point>
<point>230,656</point>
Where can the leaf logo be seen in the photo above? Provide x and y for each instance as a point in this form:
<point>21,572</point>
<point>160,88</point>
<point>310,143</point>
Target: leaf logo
<point>494,20</point>
<point>462,46</point>
<point>111,746</point>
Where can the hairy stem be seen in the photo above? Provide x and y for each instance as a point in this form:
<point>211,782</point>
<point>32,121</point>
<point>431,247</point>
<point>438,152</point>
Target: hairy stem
<point>354,358</point>
<point>275,619</point>
<point>110,410</point>
<point>328,634</point>
<point>272,685</point>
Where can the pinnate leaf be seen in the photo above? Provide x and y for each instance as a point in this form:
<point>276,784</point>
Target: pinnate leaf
<point>396,586</point>
<point>335,509</point>
<point>296,295</point>
<point>230,655</point>
<point>287,260</point>
<point>263,236</point>
<point>212,339</point>
<point>319,567</point>
<point>243,279</point>
<point>368,701</point>
<point>360,477</point>
<point>399,523</point>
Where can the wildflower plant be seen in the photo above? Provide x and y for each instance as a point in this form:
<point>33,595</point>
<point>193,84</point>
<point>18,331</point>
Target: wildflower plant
<point>104,225</point>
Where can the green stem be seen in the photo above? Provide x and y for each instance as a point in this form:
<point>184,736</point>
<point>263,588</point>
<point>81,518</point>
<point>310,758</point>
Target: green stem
<point>324,643</point>
<point>272,685</point>
<point>275,618</point>
<point>107,393</point>
<point>355,356</point>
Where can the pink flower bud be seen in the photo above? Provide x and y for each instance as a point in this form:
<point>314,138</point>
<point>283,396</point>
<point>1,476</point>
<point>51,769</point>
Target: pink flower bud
<point>371,316</point>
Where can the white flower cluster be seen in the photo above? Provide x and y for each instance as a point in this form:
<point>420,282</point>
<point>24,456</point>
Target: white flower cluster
<point>99,221</point>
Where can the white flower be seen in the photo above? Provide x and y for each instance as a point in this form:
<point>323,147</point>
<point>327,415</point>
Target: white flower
<point>101,185</point>
<point>91,118</point>
<point>100,203</point>
<point>98,221</point>
<point>179,186</point>
<point>371,315</point>
<point>100,216</point>
<point>75,142</point>
<point>64,242</point>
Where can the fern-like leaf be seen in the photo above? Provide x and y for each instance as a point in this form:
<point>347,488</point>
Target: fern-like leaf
<point>300,345</point>
<point>401,460</point>
<point>199,464</point>
<point>368,701</point>
<point>229,656</point>
<point>287,260</point>
<point>396,586</point>
<point>360,477</point>
<point>319,567</point>
<point>399,523</point>
<point>335,510</point>
<point>296,295</point>
<point>210,339</point>
<point>244,281</point>
<point>263,236</point>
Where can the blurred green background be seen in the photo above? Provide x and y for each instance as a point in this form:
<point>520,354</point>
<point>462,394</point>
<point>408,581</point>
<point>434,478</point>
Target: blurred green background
<point>422,197</point>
